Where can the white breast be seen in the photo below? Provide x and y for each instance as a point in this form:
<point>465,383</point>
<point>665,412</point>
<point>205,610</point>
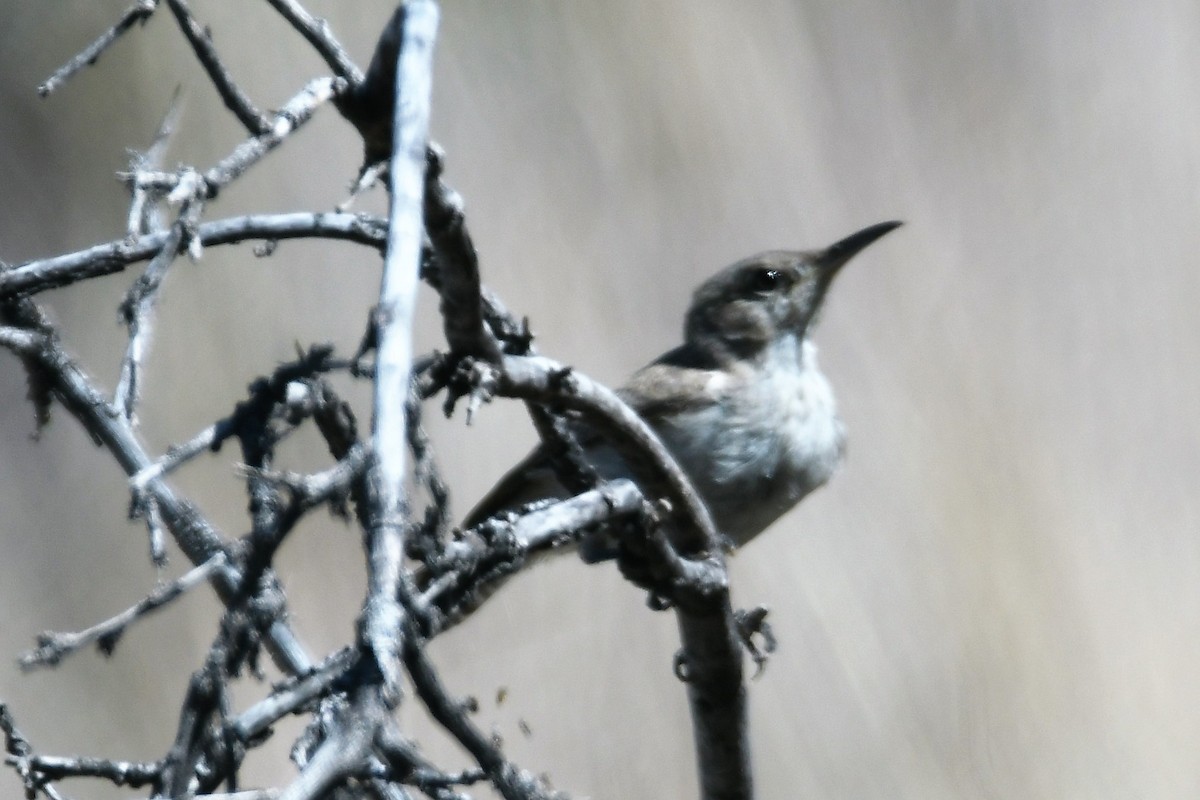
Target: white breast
<point>773,439</point>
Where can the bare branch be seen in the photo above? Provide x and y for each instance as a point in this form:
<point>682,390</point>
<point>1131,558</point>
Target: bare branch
<point>191,531</point>
<point>138,307</point>
<point>512,782</point>
<point>104,259</point>
<point>140,11</point>
<point>313,489</point>
<point>53,647</point>
<point>235,99</point>
<point>145,507</point>
<point>469,564</point>
<point>356,746</point>
<point>316,31</point>
<point>36,771</point>
<point>712,652</point>
<point>382,616</point>
<point>120,773</point>
<point>20,340</point>
<point>144,216</point>
<point>293,696</point>
<point>288,119</point>
<point>461,290</point>
<point>343,752</point>
<point>540,379</point>
<point>176,456</point>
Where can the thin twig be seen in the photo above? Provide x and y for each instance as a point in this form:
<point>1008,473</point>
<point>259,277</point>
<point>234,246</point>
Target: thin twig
<point>316,31</point>
<point>144,216</point>
<point>119,773</point>
<point>537,378</point>
<point>20,340</point>
<point>264,394</point>
<point>512,782</point>
<point>310,490</point>
<point>187,749</point>
<point>365,181</point>
<point>104,259</point>
<point>291,698</point>
<point>175,457</point>
<point>235,99</point>
<point>137,310</point>
<point>36,771</point>
<point>194,534</point>
<point>461,292</point>
<point>469,565</point>
<point>54,647</point>
<point>187,182</point>
<point>140,11</point>
<point>288,119</point>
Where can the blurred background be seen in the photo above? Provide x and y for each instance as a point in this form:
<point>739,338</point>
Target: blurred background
<point>997,597</point>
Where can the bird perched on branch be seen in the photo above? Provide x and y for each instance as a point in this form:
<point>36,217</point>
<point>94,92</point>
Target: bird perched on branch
<point>741,404</point>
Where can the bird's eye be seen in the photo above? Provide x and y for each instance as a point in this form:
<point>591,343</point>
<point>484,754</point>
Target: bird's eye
<point>764,280</point>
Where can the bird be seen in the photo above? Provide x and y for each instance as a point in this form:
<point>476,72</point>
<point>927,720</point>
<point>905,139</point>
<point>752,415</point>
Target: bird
<point>741,404</point>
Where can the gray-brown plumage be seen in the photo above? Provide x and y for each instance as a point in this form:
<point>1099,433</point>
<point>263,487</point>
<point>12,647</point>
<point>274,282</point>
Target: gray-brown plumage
<point>741,403</point>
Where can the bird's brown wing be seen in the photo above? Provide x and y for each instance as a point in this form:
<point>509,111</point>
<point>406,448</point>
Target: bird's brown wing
<point>678,382</point>
<point>531,479</point>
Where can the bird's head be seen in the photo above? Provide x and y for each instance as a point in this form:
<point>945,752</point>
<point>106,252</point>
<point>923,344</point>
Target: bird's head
<point>746,306</point>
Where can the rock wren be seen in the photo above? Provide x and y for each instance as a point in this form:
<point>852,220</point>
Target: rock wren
<point>741,404</point>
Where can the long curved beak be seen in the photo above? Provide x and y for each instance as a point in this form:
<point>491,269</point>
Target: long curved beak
<point>837,254</point>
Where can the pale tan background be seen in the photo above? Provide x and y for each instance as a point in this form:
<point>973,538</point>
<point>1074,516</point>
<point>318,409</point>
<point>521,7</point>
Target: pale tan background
<point>998,597</point>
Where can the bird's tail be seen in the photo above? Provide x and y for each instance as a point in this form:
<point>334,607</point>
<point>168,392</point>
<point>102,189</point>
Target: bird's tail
<point>481,587</point>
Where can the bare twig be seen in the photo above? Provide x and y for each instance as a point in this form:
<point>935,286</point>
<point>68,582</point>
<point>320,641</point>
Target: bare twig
<point>144,216</point>
<point>187,749</point>
<point>145,508</point>
<point>366,180</point>
<point>104,259</point>
<point>310,490</point>
<point>140,11</point>
<point>119,773</point>
<point>317,32</point>
<point>264,393</point>
<point>461,291</point>
<point>469,565</point>
<point>292,697</point>
<point>235,99</point>
<point>510,781</point>
<point>427,536</point>
<point>344,751</point>
<point>294,114</point>
<point>20,340</point>
<point>53,647</point>
<point>191,531</point>
<point>138,307</point>
<point>36,772</point>
<point>540,379</point>
<point>187,182</point>
<point>176,456</point>
<point>407,765</point>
